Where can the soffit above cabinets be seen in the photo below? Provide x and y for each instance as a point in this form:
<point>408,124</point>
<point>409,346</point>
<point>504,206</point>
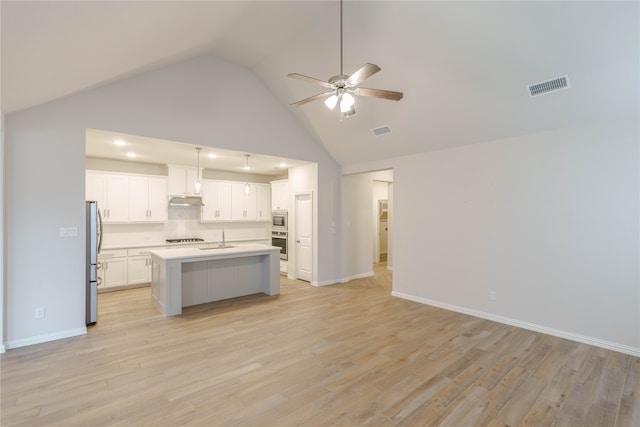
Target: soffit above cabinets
<point>101,144</point>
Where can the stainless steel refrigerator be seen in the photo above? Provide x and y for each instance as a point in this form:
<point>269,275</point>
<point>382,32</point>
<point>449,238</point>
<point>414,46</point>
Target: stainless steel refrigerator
<point>94,244</point>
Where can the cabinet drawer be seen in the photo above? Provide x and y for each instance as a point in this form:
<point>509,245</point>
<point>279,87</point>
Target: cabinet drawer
<point>141,251</point>
<point>112,253</point>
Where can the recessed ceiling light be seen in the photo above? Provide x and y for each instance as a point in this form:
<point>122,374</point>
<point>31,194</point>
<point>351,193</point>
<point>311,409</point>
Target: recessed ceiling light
<point>212,155</point>
<point>283,165</point>
<point>119,142</point>
<point>131,154</point>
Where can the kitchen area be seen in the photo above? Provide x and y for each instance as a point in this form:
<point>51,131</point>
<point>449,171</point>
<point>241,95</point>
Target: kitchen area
<point>160,199</point>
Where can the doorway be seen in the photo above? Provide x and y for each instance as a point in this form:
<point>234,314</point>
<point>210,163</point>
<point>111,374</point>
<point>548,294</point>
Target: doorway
<point>383,229</point>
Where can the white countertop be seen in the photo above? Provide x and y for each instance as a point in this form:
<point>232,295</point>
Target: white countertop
<point>194,254</point>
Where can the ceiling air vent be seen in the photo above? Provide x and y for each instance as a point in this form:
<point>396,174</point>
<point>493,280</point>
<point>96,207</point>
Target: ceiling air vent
<point>553,85</point>
<point>381,130</point>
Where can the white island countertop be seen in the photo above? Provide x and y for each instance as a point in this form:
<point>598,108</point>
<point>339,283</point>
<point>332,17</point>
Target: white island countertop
<point>185,276</point>
<point>190,254</point>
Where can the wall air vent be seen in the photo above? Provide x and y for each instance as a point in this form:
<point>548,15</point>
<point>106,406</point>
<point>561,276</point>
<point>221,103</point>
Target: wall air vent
<point>381,130</point>
<point>548,86</point>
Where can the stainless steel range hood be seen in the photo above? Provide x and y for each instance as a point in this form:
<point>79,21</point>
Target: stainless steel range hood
<point>185,201</point>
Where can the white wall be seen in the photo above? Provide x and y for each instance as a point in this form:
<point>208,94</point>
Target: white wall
<point>547,221</point>
<point>204,101</point>
<point>2,245</point>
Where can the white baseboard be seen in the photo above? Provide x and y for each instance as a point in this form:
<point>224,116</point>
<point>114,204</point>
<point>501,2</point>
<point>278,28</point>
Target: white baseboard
<point>633,351</point>
<point>343,280</point>
<point>39,339</point>
<point>361,275</point>
<point>325,283</point>
<point>2,348</point>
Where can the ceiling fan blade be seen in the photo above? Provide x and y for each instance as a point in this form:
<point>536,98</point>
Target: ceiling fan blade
<point>311,98</point>
<point>378,93</point>
<point>311,80</point>
<point>364,72</point>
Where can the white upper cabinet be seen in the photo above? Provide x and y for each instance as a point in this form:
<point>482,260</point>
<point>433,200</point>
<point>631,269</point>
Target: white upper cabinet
<point>147,199</point>
<point>263,200</point>
<point>229,201</point>
<point>243,203</point>
<point>111,191</point>
<point>280,195</point>
<point>216,198</point>
<point>182,180</point>
<point>126,198</point>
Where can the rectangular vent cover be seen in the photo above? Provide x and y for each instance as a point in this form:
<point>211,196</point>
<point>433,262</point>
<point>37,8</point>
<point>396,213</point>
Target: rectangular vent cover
<point>381,130</point>
<point>553,85</point>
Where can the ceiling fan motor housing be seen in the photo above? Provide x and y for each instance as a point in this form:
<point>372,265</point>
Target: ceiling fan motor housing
<point>339,81</point>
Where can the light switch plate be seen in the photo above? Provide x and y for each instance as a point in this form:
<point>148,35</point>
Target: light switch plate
<point>68,231</point>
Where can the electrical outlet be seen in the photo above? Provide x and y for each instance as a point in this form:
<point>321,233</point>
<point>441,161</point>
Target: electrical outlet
<point>40,313</point>
<point>492,295</point>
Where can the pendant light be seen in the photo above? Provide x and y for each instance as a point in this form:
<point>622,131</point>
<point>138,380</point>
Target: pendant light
<point>198,181</point>
<point>247,187</point>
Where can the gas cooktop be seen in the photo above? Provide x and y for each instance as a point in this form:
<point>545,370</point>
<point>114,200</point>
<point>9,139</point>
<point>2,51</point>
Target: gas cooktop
<point>191,239</point>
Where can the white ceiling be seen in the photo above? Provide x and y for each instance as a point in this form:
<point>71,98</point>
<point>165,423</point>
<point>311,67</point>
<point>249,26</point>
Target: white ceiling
<point>102,145</point>
<point>463,66</point>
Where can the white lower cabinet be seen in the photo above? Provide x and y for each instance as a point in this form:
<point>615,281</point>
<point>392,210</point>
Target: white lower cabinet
<point>139,266</point>
<point>121,268</point>
<point>112,269</point>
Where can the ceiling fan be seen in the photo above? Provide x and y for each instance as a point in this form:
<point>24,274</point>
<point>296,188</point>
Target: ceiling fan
<point>343,86</point>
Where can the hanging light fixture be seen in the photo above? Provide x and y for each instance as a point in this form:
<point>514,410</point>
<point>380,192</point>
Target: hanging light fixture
<point>198,181</point>
<point>247,187</point>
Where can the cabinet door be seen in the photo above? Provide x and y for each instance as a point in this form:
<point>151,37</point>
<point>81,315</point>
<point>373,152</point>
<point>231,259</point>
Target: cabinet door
<point>117,198</point>
<point>280,196</point>
<point>224,201</point>
<point>263,211</point>
<point>177,180</point>
<point>138,199</point>
<point>114,272</point>
<point>182,180</point>
<point>192,176</point>
<point>96,189</point>
<point>138,269</point>
<point>243,205</point>
<point>209,212</point>
<point>158,202</point>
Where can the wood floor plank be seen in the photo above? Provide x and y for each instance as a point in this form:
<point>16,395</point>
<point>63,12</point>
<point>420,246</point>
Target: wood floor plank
<point>342,355</point>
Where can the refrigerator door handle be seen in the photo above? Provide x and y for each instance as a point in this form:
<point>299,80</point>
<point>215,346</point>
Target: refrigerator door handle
<point>99,231</point>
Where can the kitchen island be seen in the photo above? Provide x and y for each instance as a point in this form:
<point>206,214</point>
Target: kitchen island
<point>181,277</point>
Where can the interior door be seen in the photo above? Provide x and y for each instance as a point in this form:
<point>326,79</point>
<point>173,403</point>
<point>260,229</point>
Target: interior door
<point>304,230</point>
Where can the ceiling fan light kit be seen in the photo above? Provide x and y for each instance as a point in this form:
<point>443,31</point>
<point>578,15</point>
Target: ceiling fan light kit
<point>343,87</point>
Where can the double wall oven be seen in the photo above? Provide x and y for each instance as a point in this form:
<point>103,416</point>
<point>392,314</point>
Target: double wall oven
<point>279,232</point>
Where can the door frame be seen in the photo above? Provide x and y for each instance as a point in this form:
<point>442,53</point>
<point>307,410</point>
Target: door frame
<point>293,272</point>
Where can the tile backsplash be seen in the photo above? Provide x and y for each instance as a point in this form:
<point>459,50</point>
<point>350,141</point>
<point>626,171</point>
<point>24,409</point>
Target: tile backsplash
<point>183,222</point>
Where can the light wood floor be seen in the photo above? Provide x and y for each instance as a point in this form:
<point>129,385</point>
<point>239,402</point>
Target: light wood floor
<point>345,355</point>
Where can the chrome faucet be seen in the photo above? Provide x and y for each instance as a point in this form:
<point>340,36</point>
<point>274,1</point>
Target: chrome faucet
<point>223,243</point>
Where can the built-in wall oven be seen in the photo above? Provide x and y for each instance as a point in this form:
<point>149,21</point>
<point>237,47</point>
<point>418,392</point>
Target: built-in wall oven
<point>279,239</point>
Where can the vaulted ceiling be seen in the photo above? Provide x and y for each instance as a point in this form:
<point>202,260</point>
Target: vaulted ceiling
<point>464,67</point>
